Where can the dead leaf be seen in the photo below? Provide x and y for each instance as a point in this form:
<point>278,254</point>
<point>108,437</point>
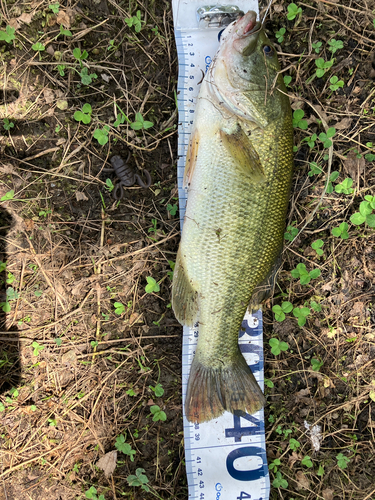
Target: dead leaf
<point>105,77</point>
<point>63,18</point>
<point>108,463</point>
<point>77,288</point>
<point>278,8</point>
<point>62,140</point>
<point>62,104</point>
<point>29,224</point>
<point>135,318</point>
<point>343,124</point>
<point>81,196</point>
<point>302,481</point>
<point>297,105</point>
<point>14,23</point>
<point>354,165</point>
<point>69,358</point>
<point>26,17</point>
<point>327,494</point>
<point>50,50</point>
<point>293,459</point>
<point>49,96</point>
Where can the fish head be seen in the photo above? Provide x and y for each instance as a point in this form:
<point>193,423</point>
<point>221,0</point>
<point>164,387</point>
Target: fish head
<point>246,74</point>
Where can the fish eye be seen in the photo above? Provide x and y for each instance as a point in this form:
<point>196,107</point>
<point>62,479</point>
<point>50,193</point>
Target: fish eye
<point>268,50</point>
<point>219,34</point>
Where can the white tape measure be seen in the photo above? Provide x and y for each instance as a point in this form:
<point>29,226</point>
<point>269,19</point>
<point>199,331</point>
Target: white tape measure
<point>226,457</point>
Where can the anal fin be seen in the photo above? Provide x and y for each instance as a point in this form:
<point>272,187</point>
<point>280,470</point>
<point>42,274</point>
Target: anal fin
<point>184,295</point>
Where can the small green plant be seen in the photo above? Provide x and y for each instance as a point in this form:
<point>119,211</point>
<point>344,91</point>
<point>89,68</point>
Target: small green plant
<point>9,195</point>
<point>335,83</point>
<point>325,137</point>
<point>293,11</point>
<point>125,448</point>
<point>152,286</point>
<point>172,209</point>
<point>304,276</point>
<point>315,169</point>
<point>301,314</point>
<point>63,32</point>
<point>280,35</point>
<point>274,465</point>
<point>341,231</point>
<point>322,66</point>
<point>135,21</point>
<point>12,294</point>
<point>7,35</point>
<point>306,461</point>
<point>291,233</point>
<point>84,115</point>
<point>370,156</point>
<point>61,69</point>
<point>334,175</point>
<point>92,494</point>
<point>170,273</point>
<point>119,308</point>
<point>317,246</point>
<point>38,47</point>
<point>140,123</point>
<point>158,390</point>
<point>279,481</point>
<point>280,311</point>
<point>287,80</point>
<point>139,479</point>
<point>269,383</point>
<point>37,348</point>
<point>277,346</point>
<point>109,185</point>
<point>345,187</point>
<point>86,77</point>
<point>365,212</point>
<point>158,414</point>
<point>311,140</point>
<point>315,306</point>
<point>79,55</point>
<point>101,135</point>
<point>342,461</point>
<point>55,7</point>
<point>298,122</point>
<point>294,444</point>
<point>335,45</point>
<point>8,124</point>
<point>317,46</point>
<point>316,364</point>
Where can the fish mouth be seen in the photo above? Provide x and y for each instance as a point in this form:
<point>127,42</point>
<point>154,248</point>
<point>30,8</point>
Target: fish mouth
<point>249,24</point>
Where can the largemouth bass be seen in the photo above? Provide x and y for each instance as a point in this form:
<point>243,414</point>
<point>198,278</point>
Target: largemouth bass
<point>238,172</point>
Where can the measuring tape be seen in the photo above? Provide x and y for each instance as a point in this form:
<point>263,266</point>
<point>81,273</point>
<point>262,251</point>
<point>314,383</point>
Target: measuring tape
<point>226,457</point>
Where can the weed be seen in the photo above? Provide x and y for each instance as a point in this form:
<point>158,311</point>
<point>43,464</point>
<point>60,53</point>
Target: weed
<point>79,55</point>
<point>8,124</point>
<point>316,364</point>
<point>315,306</point>
<point>322,66</point>
<point>365,212</point>
<point>335,83</point>
<point>84,115</point>
<point>301,314</point>
<point>306,461</point>
<point>92,494</point>
<point>341,231</point>
<point>317,46</point>
<point>140,123</point>
<point>310,141</point>
<point>119,308</point>
<point>274,465</point>
<point>139,479</point>
<point>298,114</point>
<point>334,175</point>
<point>280,311</point>
<point>291,233</point>
<point>61,69</point>
<point>101,135</point>
<point>293,11</point>
<point>287,80</point>
<point>335,45</point>
<point>320,471</point>
<point>109,185</point>
<point>345,187</point>
<point>317,246</point>
<point>304,276</point>
<point>342,461</point>
<point>172,209</point>
<point>325,137</point>
<point>158,414</point>
<point>135,21</point>
<point>158,390</point>
<point>280,35</point>
<point>269,383</point>
<point>12,294</point>
<point>170,273</point>
<point>7,35</point>
<point>125,448</point>
<point>86,77</point>
<point>152,286</point>
<point>279,481</point>
<point>370,157</point>
<point>294,444</point>
<point>38,47</point>
<point>37,348</point>
<point>55,7</point>
<point>277,346</point>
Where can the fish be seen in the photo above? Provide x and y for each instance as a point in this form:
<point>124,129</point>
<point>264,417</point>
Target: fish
<point>238,174</point>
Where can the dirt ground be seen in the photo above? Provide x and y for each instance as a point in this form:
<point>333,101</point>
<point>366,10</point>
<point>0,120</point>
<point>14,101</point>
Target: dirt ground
<point>90,353</point>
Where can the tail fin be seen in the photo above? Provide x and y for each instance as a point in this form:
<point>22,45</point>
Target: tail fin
<point>211,391</point>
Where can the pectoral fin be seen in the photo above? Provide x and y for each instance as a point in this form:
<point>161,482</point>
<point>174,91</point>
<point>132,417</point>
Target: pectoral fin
<point>243,153</point>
